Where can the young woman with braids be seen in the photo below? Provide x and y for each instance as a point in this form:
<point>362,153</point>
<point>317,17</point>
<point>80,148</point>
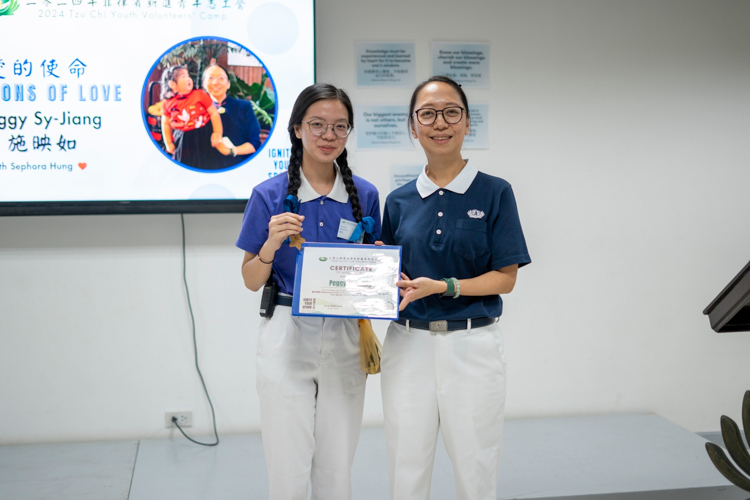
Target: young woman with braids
<point>309,380</point>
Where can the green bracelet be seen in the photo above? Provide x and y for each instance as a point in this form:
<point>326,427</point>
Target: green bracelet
<point>451,291</point>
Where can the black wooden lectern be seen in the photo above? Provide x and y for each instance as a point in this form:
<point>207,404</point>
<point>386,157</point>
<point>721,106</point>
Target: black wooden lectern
<point>730,312</point>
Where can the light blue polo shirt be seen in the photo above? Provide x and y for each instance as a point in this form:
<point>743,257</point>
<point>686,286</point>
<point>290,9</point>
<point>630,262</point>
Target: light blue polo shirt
<point>462,231</point>
<point>323,215</point>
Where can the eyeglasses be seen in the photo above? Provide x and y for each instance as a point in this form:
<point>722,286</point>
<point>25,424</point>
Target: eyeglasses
<point>451,115</point>
<point>318,127</point>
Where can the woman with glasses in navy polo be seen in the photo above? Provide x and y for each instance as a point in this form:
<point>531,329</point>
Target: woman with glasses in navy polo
<point>443,362</point>
<point>310,384</point>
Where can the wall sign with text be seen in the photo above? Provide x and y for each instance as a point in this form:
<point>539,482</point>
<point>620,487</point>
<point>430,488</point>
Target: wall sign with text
<point>380,126</point>
<point>385,64</point>
<point>467,63</point>
<point>478,137</point>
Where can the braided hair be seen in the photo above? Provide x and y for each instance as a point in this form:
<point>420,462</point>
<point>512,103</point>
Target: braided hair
<point>312,94</point>
<point>346,175</point>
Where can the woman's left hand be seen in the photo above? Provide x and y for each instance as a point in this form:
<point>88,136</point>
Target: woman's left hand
<point>215,139</point>
<point>419,288</point>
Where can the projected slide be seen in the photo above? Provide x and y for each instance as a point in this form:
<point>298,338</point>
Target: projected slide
<point>148,99</point>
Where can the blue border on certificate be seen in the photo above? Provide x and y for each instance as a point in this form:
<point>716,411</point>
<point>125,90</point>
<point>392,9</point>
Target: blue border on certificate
<point>298,282</point>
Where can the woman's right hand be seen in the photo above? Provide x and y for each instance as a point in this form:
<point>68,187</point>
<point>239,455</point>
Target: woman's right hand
<point>170,148</point>
<point>281,226</point>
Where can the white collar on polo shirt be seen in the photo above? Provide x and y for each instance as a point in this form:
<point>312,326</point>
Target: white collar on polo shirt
<point>459,185</point>
<point>306,193</point>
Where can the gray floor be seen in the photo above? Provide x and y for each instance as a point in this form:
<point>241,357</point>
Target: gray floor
<point>81,471</point>
<point>605,455</point>
<point>618,457</point>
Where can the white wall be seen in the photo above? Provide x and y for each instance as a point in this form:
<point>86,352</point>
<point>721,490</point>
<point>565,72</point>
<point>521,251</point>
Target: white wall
<point>623,127</point>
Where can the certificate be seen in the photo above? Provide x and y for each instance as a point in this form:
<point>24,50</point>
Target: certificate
<point>347,281</point>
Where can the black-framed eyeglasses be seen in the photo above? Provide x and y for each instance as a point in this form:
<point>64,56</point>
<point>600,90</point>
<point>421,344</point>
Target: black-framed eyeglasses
<point>319,127</point>
<point>451,115</point>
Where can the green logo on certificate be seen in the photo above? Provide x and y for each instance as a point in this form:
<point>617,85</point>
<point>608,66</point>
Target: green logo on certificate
<point>323,259</point>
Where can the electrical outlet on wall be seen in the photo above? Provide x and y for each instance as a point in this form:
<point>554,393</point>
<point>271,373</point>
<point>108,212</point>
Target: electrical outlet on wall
<point>184,418</point>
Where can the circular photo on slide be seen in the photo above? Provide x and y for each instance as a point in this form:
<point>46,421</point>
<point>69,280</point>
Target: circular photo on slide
<point>209,104</point>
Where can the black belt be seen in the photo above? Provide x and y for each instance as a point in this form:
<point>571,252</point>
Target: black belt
<point>284,300</point>
<point>447,325</point>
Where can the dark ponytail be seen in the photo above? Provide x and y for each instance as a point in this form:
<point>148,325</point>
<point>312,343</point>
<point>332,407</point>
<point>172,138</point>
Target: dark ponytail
<point>312,94</point>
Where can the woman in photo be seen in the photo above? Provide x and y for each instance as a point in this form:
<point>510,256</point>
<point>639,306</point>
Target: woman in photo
<point>241,127</point>
<point>443,361</point>
<point>309,380</point>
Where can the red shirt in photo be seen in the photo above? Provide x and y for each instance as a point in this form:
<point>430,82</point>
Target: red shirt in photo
<point>188,112</point>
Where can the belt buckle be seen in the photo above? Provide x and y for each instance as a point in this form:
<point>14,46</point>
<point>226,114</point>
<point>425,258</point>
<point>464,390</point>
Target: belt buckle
<point>439,326</point>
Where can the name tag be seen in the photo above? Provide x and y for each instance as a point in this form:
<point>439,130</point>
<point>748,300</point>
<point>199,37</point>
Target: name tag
<point>346,228</point>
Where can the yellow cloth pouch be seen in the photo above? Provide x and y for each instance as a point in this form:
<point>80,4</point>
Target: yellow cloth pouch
<point>369,348</point>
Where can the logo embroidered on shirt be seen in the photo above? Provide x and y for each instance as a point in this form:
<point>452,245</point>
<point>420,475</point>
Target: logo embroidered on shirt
<point>475,214</point>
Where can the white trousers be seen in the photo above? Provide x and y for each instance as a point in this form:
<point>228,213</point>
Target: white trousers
<point>455,381</point>
<point>312,392</point>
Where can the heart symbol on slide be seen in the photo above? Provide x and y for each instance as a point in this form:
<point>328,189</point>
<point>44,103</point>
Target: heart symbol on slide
<point>81,166</point>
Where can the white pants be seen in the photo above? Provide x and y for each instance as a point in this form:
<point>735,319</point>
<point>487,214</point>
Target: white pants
<point>312,392</point>
<point>455,381</point>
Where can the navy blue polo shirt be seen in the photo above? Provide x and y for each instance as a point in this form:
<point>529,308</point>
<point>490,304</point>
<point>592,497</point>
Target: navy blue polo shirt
<point>462,231</point>
<point>240,124</point>
<point>323,215</point>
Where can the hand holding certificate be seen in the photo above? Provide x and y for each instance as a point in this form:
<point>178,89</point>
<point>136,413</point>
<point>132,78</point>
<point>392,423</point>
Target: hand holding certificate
<point>347,281</point>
